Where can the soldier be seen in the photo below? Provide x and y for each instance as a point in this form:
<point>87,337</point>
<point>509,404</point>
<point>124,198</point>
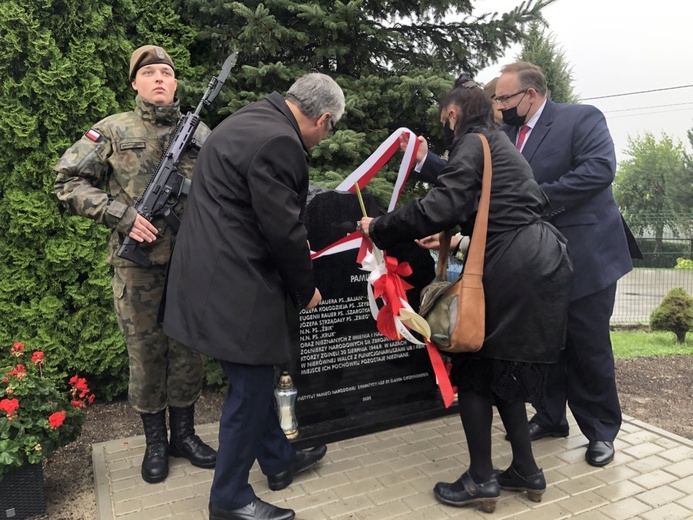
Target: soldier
<point>121,152</point>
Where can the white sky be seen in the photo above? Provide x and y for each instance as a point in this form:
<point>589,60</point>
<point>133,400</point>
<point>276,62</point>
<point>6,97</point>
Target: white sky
<point>621,46</point>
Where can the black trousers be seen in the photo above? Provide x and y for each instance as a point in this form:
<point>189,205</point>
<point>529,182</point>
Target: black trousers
<point>248,430</point>
<point>585,375</point>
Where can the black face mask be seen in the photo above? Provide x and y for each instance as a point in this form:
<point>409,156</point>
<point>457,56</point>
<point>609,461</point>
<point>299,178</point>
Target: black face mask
<point>448,135</point>
<point>511,117</point>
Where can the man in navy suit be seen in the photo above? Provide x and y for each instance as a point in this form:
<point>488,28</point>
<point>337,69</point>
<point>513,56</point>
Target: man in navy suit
<point>572,156</point>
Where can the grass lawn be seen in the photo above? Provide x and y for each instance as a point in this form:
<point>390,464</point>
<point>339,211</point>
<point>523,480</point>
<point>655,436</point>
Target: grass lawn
<point>629,344</point>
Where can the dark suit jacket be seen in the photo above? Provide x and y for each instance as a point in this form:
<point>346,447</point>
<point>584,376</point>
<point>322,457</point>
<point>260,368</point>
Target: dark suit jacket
<point>572,157</point>
<point>241,249</point>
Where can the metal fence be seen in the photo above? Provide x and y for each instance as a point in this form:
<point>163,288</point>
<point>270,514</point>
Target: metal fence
<point>643,289</point>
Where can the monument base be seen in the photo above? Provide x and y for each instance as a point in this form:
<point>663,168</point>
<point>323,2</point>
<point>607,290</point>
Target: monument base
<point>369,422</point>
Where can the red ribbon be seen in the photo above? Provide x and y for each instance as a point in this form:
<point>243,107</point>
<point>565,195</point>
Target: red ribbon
<point>391,284</point>
<point>441,373</point>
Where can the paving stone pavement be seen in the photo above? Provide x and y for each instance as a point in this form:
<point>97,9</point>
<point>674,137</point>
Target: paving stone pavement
<point>391,474</point>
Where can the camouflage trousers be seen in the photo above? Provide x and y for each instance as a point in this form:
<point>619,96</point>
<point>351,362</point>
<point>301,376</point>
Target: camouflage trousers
<point>162,370</point>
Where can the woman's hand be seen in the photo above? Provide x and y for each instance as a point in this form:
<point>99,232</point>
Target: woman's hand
<point>429,242</point>
<point>363,226</point>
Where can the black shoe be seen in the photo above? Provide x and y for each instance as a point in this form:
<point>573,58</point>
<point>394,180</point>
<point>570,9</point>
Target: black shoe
<point>184,442</point>
<point>155,462</point>
<point>465,491</point>
<point>256,510</point>
<point>304,460</point>
<point>537,432</point>
<point>600,453</point>
<point>534,485</point>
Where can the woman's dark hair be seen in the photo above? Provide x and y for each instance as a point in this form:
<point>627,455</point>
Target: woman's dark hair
<point>474,105</point>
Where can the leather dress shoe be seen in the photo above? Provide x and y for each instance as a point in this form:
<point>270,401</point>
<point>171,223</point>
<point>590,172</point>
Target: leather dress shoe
<point>256,510</point>
<point>534,485</point>
<point>465,491</point>
<point>303,461</point>
<point>599,453</point>
<point>537,432</point>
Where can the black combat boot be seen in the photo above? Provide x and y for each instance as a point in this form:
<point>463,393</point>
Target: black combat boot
<point>184,442</point>
<point>155,463</point>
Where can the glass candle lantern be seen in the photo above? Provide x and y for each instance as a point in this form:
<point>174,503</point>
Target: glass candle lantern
<point>285,394</point>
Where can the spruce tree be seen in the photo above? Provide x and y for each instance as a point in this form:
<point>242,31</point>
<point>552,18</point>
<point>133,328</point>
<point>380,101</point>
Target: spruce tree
<point>63,67</point>
<point>543,50</point>
<point>393,59</point>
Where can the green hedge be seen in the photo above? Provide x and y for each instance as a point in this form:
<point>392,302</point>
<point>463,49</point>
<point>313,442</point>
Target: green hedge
<point>667,258</point>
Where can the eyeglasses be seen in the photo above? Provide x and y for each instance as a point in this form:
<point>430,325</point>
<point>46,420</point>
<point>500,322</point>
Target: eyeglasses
<point>504,99</point>
<point>331,124</point>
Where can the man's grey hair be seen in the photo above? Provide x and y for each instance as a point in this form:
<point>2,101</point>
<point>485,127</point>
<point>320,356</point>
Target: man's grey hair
<point>315,93</point>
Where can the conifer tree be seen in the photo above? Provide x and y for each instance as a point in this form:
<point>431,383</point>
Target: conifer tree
<point>394,60</point>
<point>63,67</point>
<point>543,50</point>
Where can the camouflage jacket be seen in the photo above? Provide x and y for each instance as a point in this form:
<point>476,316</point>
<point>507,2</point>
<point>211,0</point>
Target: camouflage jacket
<point>102,175</point>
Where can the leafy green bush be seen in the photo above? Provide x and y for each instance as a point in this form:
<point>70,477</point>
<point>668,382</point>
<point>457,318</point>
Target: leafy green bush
<point>674,314</point>
<point>666,258</point>
<point>684,263</point>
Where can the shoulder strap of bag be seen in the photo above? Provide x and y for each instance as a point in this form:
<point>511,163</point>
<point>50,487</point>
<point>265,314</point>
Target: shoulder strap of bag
<point>474,264</point>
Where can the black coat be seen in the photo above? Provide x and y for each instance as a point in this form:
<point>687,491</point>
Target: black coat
<point>527,271</point>
<point>242,250</point>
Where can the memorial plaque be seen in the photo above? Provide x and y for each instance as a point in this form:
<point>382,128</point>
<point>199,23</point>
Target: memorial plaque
<point>351,379</point>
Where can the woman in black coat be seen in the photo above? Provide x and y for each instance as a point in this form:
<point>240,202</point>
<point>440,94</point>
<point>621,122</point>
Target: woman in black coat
<point>527,282</point>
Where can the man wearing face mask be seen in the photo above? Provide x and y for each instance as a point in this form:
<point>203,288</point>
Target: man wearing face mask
<point>572,156</point>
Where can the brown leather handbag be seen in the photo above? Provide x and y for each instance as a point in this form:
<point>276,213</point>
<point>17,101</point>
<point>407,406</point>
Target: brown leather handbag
<point>456,312</point>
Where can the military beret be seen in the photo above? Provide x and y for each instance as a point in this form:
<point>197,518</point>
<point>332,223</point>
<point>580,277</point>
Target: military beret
<point>148,55</point>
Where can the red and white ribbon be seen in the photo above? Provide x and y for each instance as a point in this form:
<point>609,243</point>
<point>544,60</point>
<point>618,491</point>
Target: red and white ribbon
<point>362,176</point>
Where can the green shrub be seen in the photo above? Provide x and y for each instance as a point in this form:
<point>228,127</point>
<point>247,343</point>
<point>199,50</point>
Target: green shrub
<point>667,257</point>
<point>684,263</point>
<point>674,314</point>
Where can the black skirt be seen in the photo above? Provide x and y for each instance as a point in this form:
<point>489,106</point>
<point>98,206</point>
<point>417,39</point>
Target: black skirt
<point>509,381</point>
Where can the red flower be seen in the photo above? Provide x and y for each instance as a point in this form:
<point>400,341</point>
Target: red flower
<point>56,419</point>
<point>17,349</point>
<point>79,383</point>
<point>9,406</point>
<point>19,371</point>
<point>37,357</point>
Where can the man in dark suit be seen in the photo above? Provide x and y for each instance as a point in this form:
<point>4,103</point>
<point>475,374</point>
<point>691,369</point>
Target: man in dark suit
<point>241,257</point>
<point>572,156</point>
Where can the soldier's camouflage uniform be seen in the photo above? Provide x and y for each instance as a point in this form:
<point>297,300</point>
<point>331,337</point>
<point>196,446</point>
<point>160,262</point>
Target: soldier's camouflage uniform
<point>100,177</point>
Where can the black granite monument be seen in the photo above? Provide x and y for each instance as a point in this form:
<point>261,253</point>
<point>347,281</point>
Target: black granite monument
<point>351,380</point>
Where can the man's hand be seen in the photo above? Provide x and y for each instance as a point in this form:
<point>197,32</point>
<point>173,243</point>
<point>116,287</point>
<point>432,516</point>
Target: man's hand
<point>143,230</point>
<point>315,299</point>
<point>423,145</point>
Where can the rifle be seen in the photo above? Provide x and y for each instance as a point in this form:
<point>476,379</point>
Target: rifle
<point>166,185</point>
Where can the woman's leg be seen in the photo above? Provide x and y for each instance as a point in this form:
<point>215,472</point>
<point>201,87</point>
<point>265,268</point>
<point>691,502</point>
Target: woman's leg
<point>514,417</point>
<point>476,412</point>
